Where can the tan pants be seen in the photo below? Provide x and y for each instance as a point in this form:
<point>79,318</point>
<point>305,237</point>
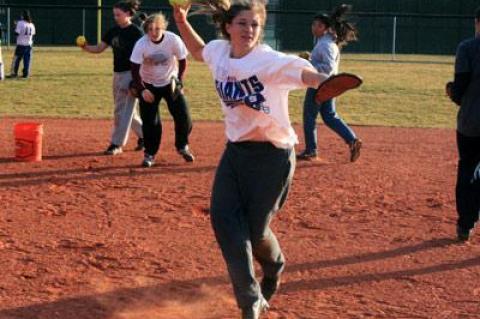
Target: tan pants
<point>126,114</point>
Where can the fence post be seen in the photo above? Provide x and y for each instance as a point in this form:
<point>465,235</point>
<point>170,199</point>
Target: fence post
<point>83,22</point>
<point>394,38</point>
<point>99,22</point>
<point>8,28</point>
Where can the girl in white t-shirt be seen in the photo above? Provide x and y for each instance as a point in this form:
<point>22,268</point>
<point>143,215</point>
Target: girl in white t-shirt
<point>256,169</point>
<point>159,61</point>
<point>25,31</point>
<point>2,67</point>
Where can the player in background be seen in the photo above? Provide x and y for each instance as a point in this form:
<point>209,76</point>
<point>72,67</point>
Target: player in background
<point>465,92</point>
<point>331,32</point>
<point>2,66</point>
<point>139,19</point>
<point>122,39</point>
<point>159,61</point>
<point>25,31</point>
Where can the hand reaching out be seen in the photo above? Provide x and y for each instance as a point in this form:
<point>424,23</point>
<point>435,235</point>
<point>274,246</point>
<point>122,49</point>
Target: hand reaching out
<point>180,13</point>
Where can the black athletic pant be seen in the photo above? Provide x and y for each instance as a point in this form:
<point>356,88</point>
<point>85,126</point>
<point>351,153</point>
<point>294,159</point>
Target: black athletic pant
<point>152,125</point>
<point>468,182</point>
<point>251,185</point>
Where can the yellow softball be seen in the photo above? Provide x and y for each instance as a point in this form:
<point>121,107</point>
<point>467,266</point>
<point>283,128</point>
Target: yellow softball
<point>81,41</point>
<point>180,3</point>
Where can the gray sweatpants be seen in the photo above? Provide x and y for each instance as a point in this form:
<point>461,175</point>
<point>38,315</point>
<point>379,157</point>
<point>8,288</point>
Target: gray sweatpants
<point>126,110</point>
<point>251,185</point>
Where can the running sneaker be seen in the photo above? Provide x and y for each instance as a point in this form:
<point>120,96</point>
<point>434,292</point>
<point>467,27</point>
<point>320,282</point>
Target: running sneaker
<point>255,310</point>
<point>355,148</point>
<point>186,154</point>
<point>307,156</point>
<point>148,161</point>
<point>113,150</point>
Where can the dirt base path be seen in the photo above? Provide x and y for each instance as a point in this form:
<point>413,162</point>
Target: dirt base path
<point>85,236</point>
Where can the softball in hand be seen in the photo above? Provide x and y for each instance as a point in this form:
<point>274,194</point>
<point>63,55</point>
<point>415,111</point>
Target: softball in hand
<point>180,3</point>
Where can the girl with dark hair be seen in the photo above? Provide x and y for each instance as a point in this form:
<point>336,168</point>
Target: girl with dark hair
<point>254,174</point>
<point>122,39</point>
<point>332,32</point>
<point>25,30</point>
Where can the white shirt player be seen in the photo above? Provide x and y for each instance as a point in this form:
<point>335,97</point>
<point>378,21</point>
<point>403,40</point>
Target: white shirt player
<point>254,92</point>
<point>25,31</point>
<point>159,61</point>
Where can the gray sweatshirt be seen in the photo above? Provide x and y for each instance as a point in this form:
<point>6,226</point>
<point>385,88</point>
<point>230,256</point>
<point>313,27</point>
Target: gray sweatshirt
<point>467,75</point>
<point>325,56</point>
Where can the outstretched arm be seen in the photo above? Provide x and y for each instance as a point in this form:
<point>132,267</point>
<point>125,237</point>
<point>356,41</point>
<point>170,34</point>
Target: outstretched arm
<point>193,41</point>
<point>99,48</point>
<point>312,78</point>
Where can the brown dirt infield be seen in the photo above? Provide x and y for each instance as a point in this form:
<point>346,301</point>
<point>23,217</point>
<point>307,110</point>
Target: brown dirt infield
<point>84,236</point>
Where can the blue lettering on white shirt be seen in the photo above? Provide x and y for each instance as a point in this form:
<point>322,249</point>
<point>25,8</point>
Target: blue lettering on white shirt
<point>245,92</point>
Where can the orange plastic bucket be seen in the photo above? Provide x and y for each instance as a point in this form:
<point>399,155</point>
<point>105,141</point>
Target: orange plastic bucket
<point>28,142</point>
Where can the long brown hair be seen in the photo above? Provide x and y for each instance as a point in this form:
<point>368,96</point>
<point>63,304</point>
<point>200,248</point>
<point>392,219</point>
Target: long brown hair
<point>344,30</point>
<point>224,11</point>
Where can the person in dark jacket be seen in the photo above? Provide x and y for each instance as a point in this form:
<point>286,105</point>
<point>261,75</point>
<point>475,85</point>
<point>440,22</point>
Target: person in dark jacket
<point>465,92</point>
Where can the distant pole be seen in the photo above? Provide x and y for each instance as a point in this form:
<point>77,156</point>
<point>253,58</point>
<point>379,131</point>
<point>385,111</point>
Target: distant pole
<point>8,28</point>
<point>99,22</point>
<point>83,22</point>
<point>394,38</point>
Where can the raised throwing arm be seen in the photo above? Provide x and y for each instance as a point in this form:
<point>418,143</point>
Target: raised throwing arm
<point>193,41</point>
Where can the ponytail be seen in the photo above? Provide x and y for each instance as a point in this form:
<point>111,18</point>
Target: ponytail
<point>345,31</point>
<point>223,12</point>
<point>128,6</point>
<point>142,17</point>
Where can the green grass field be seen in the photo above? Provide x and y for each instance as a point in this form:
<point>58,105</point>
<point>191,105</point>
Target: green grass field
<point>69,83</point>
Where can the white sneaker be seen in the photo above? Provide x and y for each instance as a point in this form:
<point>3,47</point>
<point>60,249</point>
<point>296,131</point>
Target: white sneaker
<point>148,161</point>
<point>113,150</point>
<point>186,154</point>
<point>256,310</point>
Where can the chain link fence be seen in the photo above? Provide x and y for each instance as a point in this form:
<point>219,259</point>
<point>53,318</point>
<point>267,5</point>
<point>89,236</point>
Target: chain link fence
<point>286,30</point>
